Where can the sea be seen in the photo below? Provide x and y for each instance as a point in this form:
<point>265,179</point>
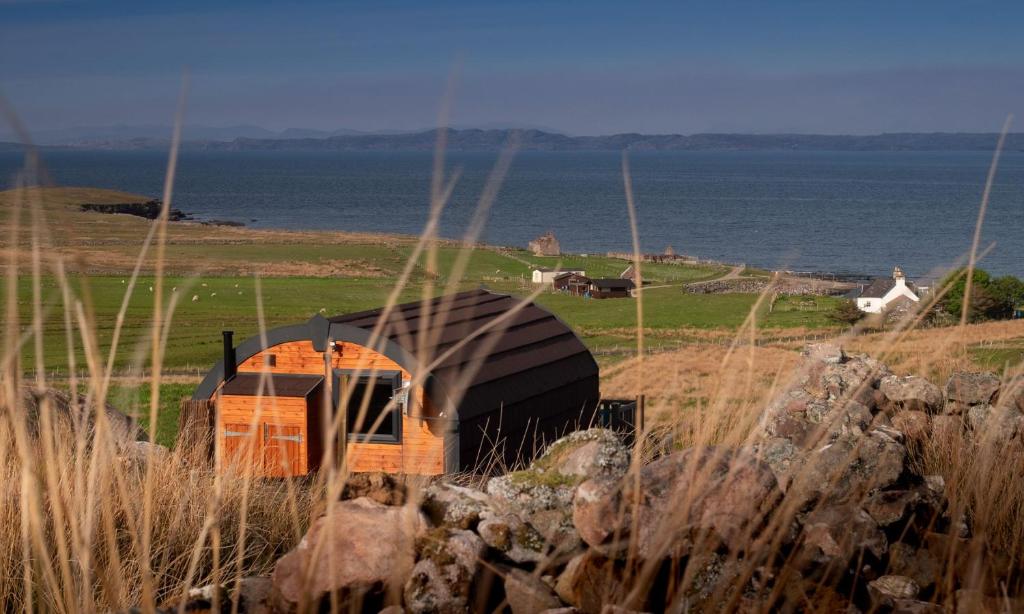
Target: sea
<point>855,213</point>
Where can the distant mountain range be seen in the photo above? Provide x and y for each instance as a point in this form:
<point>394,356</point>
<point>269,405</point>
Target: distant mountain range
<point>254,138</point>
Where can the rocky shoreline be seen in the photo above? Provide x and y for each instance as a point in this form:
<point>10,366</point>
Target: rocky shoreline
<point>151,210</point>
<point>821,509</point>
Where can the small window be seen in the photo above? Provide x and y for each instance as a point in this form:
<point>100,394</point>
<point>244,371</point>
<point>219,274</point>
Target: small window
<point>270,360</point>
<point>382,420</point>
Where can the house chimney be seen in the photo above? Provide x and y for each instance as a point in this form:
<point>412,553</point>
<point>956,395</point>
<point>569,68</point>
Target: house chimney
<point>230,368</point>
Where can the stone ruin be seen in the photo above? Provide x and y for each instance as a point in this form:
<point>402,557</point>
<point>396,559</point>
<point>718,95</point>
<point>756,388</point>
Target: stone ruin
<point>545,245</point>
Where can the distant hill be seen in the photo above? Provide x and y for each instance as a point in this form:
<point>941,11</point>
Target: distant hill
<point>537,140</point>
<point>478,139</point>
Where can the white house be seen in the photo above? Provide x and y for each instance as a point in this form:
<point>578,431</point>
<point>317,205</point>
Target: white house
<point>546,276</point>
<point>882,293</point>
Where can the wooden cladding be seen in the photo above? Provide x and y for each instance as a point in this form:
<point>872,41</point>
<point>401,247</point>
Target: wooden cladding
<point>268,436</point>
<point>290,432</point>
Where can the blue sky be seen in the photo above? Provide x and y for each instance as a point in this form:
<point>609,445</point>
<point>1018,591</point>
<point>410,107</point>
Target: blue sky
<point>580,67</point>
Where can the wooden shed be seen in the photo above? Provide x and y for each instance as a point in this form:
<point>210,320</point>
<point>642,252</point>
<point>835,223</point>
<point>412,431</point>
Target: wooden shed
<point>441,386</point>
<point>572,283</point>
<point>611,288</point>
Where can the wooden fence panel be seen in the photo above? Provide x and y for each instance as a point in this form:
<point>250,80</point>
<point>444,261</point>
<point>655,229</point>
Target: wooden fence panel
<point>195,428</point>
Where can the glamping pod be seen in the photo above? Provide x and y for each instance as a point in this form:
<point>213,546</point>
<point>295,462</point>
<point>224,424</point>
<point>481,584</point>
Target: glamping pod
<point>429,387</point>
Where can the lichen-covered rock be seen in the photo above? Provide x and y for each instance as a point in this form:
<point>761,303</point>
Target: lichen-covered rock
<point>454,506</point>
<point>360,546</point>
<point>697,495</point>
<point>526,593</point>
<point>910,393</point>
<point>887,589</point>
<point>585,454</point>
<point>834,537</point>
<point>514,538</point>
<point>710,580</point>
<point>966,389</point>
<point>540,497</point>
<point>441,581</point>
<point>996,425</point>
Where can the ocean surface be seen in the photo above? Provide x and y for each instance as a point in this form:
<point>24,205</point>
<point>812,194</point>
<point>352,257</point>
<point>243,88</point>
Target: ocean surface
<point>843,212</point>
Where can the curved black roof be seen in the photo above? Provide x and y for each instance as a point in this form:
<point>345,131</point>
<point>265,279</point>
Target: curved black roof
<point>480,350</point>
<point>489,349</point>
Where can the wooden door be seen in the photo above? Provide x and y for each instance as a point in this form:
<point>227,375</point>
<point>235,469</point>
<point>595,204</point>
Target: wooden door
<point>283,450</point>
<point>240,446</point>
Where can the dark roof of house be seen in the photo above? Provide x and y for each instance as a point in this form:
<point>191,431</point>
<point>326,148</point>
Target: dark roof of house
<point>613,284</point>
<point>878,288</point>
<point>492,348</point>
<point>570,274</point>
<point>277,384</point>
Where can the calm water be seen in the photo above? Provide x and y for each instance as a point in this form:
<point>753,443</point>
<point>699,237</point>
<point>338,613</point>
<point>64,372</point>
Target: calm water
<point>842,212</point>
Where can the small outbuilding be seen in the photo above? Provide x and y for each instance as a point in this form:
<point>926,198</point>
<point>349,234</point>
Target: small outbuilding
<point>611,288</point>
<point>428,387</point>
<point>573,283</point>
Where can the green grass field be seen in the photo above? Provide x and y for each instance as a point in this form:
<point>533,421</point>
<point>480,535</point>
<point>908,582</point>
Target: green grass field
<point>205,306</point>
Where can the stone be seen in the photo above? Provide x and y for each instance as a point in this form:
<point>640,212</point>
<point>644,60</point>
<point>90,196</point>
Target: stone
<point>916,426</point>
<point>886,589</point>
<point>514,538</point>
<point>848,469</point>
<point>250,596</point>
<point>702,494</point>
<point>360,546</point>
<point>596,512</point>
<point>590,580</point>
<point>920,565</point>
<point>888,507</point>
<point>834,537</point>
<point>442,579</point>
<point>977,416</point>
<point>910,393</point>
<point>526,593</point>
<point>711,579</point>
<point>828,353</point>
<point>585,454</point>
<point>996,425</point>
<point>912,606</point>
<point>540,497</point>
<point>454,506</point>
<point>381,487</point>
<point>972,388</point>
<point>1012,394</point>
